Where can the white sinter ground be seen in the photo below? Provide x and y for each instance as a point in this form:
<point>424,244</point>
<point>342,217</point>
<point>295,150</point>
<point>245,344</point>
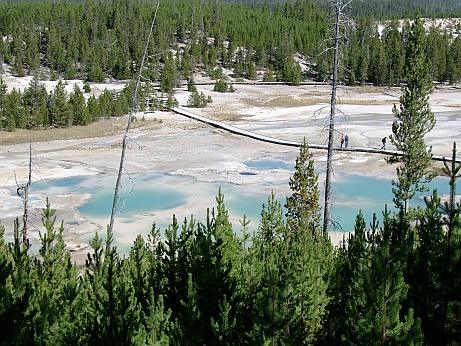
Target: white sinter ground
<point>188,155</point>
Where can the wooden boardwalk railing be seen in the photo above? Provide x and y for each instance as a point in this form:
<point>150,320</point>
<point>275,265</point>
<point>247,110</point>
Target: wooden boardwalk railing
<point>238,131</point>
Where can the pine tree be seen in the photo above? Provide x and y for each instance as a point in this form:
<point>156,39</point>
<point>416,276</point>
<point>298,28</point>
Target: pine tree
<point>60,114</point>
<point>19,289</point>
<point>395,55</point>
<point>453,61</point>
<point>427,276</point>
<point>78,107</point>
<point>385,321</point>
<point>414,121</point>
<point>169,78</point>
<point>106,103</point>
<point>54,279</point>
<point>347,289</point>
<point>32,58</point>
<point>159,329</point>
<point>377,71</point>
<point>303,210</point>
<point>94,111</point>
<point>35,101</point>
<point>14,115</point>
<point>4,124</point>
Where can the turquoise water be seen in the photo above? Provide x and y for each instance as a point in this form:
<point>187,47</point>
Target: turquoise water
<point>158,192</point>
<point>77,182</point>
<point>139,201</point>
<point>268,164</point>
<point>354,193</point>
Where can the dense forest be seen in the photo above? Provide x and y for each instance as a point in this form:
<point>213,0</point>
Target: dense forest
<point>96,40</point>
<point>384,9</point>
<point>35,107</point>
<point>101,40</point>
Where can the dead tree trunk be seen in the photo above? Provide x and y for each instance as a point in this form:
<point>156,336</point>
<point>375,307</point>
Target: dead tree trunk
<point>25,216</point>
<point>134,108</point>
<point>327,207</point>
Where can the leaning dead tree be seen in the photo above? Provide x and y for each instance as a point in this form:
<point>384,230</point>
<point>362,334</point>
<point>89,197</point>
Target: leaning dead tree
<point>133,110</point>
<point>23,192</point>
<point>339,7</point>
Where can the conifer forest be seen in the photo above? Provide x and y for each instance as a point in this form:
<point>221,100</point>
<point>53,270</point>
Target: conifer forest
<point>394,280</point>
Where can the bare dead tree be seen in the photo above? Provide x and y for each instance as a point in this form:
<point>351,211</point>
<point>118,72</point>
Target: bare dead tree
<point>25,217</point>
<point>339,7</point>
<point>23,192</point>
<point>133,110</point>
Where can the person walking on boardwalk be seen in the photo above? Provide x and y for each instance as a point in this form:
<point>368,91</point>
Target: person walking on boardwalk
<point>342,140</point>
<point>384,143</point>
<point>346,141</point>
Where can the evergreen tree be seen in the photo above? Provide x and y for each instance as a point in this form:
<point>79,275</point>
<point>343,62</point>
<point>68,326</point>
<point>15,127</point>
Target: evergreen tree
<point>17,287</point>
<point>169,78</point>
<point>454,61</point>
<point>384,322</point>
<point>54,280</point>
<point>436,51</point>
<point>3,93</point>
<point>106,103</point>
<point>303,210</point>
<point>292,72</point>
<point>377,71</point>
<point>35,100</point>
<point>14,115</point>
<point>414,121</point>
<point>60,114</point>
<point>395,55</point>
<point>78,107</point>
<point>94,111</point>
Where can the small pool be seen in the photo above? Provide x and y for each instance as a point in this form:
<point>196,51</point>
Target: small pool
<point>269,164</point>
<point>77,181</point>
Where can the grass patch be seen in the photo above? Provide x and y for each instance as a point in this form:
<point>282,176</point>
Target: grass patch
<point>100,128</point>
<point>291,101</point>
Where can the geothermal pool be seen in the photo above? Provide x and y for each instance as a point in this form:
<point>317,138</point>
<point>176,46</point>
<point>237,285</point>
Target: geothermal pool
<point>156,197</point>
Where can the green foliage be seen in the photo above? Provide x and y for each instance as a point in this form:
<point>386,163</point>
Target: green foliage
<point>199,283</point>
<point>36,108</point>
<point>86,87</point>
<point>169,78</point>
<point>269,75</point>
<point>291,72</point>
<point>191,85</point>
<point>171,102</point>
<point>303,210</point>
<point>222,86</point>
<point>104,39</point>
<point>78,107</point>
<point>414,121</point>
<point>60,114</point>
<point>198,100</point>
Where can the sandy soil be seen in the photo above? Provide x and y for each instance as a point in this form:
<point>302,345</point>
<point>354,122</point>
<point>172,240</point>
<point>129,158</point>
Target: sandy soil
<point>178,146</point>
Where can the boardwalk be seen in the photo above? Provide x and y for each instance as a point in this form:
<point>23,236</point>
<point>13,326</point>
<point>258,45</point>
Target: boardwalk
<point>238,131</point>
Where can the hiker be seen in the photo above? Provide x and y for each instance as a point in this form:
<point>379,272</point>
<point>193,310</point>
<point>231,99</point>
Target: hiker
<point>346,141</point>
<point>342,140</point>
<point>384,143</point>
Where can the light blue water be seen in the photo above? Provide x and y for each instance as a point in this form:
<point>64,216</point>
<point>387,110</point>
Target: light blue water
<point>354,193</point>
<point>158,192</point>
<point>77,181</point>
<point>268,164</point>
<point>140,201</point>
